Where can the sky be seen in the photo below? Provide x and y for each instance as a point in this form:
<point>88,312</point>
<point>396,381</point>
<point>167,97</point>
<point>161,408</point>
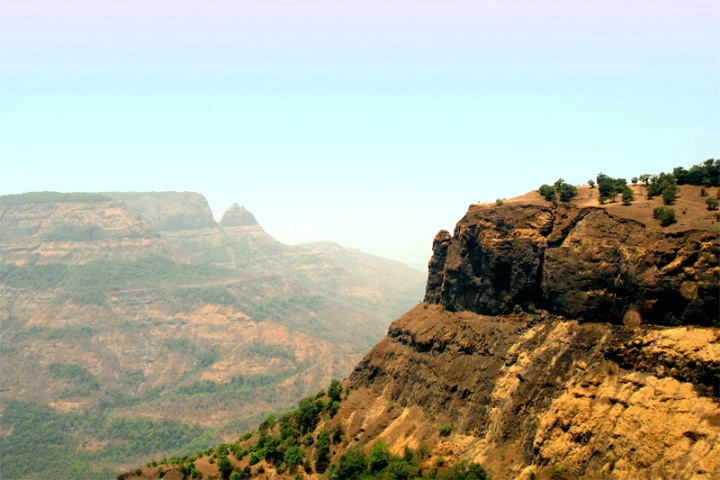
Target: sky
<point>372,123</point>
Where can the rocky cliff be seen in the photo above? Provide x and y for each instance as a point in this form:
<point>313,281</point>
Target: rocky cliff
<point>576,261</point>
<point>572,339</point>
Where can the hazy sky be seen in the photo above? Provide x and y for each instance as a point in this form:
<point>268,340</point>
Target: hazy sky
<point>371,123</point>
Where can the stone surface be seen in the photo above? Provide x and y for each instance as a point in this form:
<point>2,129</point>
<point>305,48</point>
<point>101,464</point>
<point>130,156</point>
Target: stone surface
<point>577,262</point>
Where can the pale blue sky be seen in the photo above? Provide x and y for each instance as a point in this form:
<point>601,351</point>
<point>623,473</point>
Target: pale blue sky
<point>372,124</point>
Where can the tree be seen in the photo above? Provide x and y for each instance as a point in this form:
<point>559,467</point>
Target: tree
<point>565,191</point>
<point>627,196</point>
<point>322,451</point>
<point>668,194</point>
<point>293,456</point>
<point>352,464</point>
<point>548,192</point>
<point>335,390</point>
<point>591,183</point>
<point>712,204</point>
<point>225,467</point>
<point>658,185</point>
<point>379,457</point>
<point>634,180</point>
<point>666,215</point>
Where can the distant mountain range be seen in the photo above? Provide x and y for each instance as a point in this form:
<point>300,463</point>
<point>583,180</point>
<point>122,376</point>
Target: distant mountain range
<point>134,325</point>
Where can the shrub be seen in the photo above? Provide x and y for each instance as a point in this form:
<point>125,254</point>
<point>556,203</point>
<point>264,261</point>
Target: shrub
<point>254,458</point>
<point>337,434</point>
<point>666,215</point>
<point>499,201</point>
<point>225,467</point>
<point>627,196</point>
<point>445,430</point>
<point>703,192</point>
<point>335,390</point>
<point>565,191</point>
<point>379,457</point>
<point>322,451</point>
<point>668,195</point>
<point>712,204</point>
<point>352,464</point>
<point>548,192</point>
<point>293,456</point>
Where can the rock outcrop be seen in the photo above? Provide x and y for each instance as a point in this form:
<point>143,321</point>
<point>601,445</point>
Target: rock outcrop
<point>527,392</point>
<point>577,262</point>
<point>237,216</point>
<point>170,211</point>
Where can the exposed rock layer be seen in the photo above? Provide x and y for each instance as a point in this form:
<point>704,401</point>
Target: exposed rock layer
<point>523,391</point>
<point>578,262</point>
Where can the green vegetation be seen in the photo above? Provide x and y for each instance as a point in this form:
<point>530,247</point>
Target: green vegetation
<point>279,307</point>
<point>106,275</point>
<point>666,215</point>
<point>289,444</point>
<point>151,271</point>
<point>627,196</point>
<point>53,197</point>
<point>43,443</point>
<point>706,174</point>
<point>609,188</point>
<point>663,185</point>
<point>712,204</point>
<point>83,381</point>
<point>560,189</point>
<point>38,277</point>
<point>444,430</point>
<point>213,295</point>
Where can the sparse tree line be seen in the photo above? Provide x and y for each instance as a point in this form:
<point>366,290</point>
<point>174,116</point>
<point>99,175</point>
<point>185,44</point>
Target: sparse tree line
<point>290,445</point>
<point>665,185</point>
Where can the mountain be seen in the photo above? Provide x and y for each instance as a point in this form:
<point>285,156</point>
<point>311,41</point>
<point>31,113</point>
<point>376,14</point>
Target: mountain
<point>134,325</point>
<point>576,339</point>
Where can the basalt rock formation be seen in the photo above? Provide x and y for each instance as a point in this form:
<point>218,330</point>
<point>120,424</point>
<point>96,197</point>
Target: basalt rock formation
<point>577,262</point>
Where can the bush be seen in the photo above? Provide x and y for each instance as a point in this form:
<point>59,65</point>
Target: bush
<point>379,457</point>
<point>293,456</point>
<point>548,192</point>
<point>335,390</point>
<point>352,464</point>
<point>445,430</point>
<point>627,196</point>
<point>322,451</point>
<point>254,458</point>
<point>712,204</point>
<point>668,195</point>
<point>564,190</point>
<point>666,215</point>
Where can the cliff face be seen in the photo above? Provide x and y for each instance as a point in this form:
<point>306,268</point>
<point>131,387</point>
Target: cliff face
<point>75,232</point>
<point>577,262</point>
<point>534,392</point>
<point>628,391</point>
